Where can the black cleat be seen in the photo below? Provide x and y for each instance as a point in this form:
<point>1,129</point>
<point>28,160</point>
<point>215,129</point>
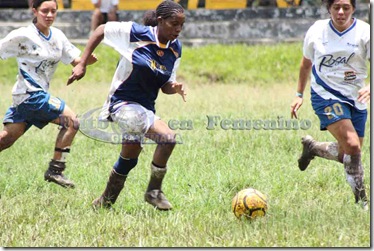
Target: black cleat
<point>307,155</point>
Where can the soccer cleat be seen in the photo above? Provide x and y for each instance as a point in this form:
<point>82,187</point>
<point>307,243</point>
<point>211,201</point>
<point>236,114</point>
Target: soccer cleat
<point>307,155</point>
<point>157,199</point>
<point>101,203</point>
<point>54,174</point>
<point>113,188</point>
<point>154,194</point>
<point>360,197</point>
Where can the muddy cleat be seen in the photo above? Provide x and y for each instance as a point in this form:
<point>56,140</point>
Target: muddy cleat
<point>360,197</point>
<point>54,174</point>
<point>101,203</point>
<point>157,199</point>
<point>114,186</point>
<point>307,155</point>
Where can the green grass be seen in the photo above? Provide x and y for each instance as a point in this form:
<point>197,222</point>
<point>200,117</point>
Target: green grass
<point>314,208</point>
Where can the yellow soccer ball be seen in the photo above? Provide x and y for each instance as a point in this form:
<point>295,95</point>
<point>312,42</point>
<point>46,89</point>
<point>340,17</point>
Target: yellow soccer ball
<point>249,203</point>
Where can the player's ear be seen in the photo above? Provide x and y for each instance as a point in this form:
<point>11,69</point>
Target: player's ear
<point>160,20</point>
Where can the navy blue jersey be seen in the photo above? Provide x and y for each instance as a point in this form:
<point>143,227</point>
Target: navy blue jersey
<point>145,64</point>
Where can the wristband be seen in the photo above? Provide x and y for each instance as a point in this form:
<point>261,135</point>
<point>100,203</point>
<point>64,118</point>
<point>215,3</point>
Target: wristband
<point>298,94</point>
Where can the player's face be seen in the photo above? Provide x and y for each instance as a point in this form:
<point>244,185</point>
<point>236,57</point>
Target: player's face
<point>341,14</point>
<point>169,28</point>
<point>46,14</point>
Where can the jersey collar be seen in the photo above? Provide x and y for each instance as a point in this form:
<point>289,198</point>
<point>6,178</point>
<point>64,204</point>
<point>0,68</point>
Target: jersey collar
<point>159,44</point>
<point>345,31</point>
<point>42,35</point>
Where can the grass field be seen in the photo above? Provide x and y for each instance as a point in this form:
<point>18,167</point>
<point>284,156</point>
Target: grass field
<point>314,208</point>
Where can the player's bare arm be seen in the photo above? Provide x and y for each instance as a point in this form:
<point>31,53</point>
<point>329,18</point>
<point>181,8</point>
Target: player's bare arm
<point>305,69</point>
<point>175,87</point>
<point>79,70</point>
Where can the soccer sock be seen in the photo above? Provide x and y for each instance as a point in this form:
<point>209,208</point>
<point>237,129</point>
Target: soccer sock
<point>64,153</point>
<point>157,175</point>
<point>124,165</point>
<point>355,175</point>
<point>327,150</point>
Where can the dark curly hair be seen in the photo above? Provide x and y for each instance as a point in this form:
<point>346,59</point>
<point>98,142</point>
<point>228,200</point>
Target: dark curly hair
<point>164,10</point>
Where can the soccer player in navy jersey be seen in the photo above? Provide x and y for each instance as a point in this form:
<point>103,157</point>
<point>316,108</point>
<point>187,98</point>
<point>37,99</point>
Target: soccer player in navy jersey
<point>336,52</point>
<point>150,56</point>
<point>38,49</point>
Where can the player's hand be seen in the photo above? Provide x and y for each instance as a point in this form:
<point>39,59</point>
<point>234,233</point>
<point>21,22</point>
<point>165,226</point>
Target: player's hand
<point>180,89</point>
<point>92,59</point>
<point>78,72</point>
<point>296,104</point>
<point>364,94</point>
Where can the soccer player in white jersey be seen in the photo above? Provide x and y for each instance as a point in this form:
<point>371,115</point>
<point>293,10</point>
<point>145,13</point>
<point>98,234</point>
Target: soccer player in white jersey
<point>150,56</point>
<point>38,48</point>
<point>336,52</point>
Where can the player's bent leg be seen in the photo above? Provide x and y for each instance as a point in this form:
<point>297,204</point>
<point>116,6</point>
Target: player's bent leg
<point>312,148</point>
<point>154,194</point>
<point>10,133</point>
<point>69,126</point>
<point>127,160</point>
<point>348,138</point>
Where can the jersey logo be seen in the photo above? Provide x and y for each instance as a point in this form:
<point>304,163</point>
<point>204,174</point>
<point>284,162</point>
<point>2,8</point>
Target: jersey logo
<point>349,75</point>
<point>160,53</point>
<point>329,61</point>
<point>156,66</point>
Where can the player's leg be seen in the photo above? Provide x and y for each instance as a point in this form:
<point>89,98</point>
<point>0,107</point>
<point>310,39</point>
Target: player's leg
<point>96,19</point>
<point>69,126</point>
<point>117,177</point>
<point>165,139</point>
<point>112,15</point>
<point>14,127</point>
<point>10,133</point>
<point>350,136</point>
<point>328,111</point>
<point>313,148</point>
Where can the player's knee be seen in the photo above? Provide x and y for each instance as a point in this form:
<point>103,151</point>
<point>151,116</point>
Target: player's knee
<point>352,147</point>
<point>69,123</point>
<point>75,123</point>
<point>6,140</point>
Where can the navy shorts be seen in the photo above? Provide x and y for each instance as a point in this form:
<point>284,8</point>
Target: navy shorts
<point>330,111</point>
<point>38,110</point>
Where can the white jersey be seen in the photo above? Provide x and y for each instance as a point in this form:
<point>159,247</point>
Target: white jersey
<point>106,5</point>
<point>339,60</point>
<point>37,58</point>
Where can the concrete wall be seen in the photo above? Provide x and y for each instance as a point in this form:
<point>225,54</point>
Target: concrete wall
<point>250,25</point>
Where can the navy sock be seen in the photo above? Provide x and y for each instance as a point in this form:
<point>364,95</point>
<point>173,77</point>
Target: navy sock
<point>123,166</point>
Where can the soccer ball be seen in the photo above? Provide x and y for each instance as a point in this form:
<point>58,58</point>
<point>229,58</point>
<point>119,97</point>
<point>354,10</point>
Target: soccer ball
<point>249,203</point>
<point>132,119</point>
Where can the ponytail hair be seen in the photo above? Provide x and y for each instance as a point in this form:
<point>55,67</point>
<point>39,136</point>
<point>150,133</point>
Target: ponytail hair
<point>150,18</point>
